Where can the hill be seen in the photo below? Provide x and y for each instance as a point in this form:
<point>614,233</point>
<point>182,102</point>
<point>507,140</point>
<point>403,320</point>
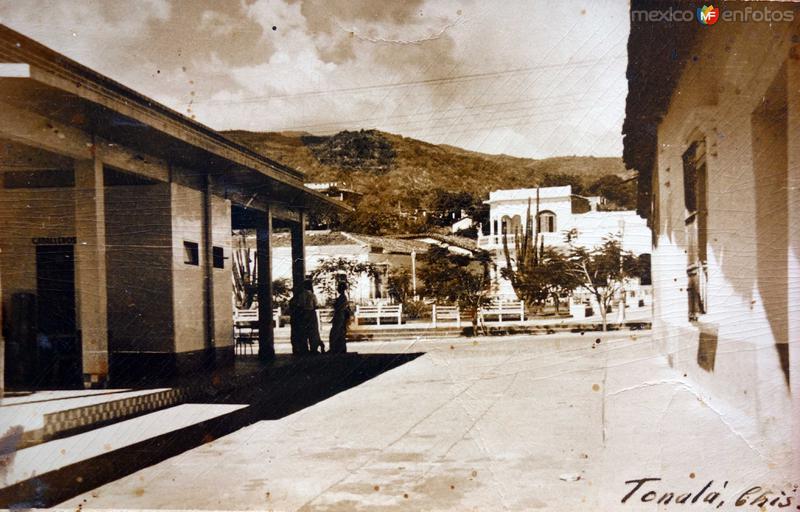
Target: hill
<point>407,176</point>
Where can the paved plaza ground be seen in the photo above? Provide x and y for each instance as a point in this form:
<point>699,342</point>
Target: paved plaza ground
<point>555,422</point>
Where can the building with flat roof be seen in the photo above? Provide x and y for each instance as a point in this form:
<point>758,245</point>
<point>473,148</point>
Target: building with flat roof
<point>116,217</point>
<point>556,219</point>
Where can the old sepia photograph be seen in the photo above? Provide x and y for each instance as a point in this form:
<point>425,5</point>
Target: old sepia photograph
<point>400,255</point>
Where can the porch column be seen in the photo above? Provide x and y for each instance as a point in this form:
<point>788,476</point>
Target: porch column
<point>793,236</point>
<point>298,252</point>
<point>208,274</point>
<point>90,271</point>
<point>266,332</point>
<point>298,275</point>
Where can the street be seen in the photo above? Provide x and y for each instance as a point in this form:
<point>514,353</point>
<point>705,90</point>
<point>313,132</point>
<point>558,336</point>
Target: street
<point>556,422</point>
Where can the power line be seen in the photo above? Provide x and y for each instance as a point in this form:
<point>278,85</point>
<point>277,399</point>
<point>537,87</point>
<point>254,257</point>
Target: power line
<point>411,83</point>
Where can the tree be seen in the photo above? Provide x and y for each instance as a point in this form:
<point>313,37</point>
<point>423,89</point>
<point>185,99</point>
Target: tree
<point>281,292</point>
<point>400,285</point>
<point>445,206</point>
<point>602,271</point>
<point>616,190</point>
<point>557,278</point>
<point>372,217</point>
<point>331,271</point>
<point>460,279</point>
<point>559,179</point>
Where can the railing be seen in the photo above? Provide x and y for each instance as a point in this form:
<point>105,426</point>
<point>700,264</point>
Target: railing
<point>484,241</point>
<point>491,240</point>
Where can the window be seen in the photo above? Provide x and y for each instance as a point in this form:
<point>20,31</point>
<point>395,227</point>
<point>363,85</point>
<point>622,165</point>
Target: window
<point>547,222</point>
<point>696,221</point>
<point>191,253</point>
<point>218,257</point>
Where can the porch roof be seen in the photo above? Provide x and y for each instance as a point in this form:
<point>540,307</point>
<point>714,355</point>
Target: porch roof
<point>57,88</point>
<point>657,52</point>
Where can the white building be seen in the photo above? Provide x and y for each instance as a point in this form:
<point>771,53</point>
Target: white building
<point>508,209</point>
<point>713,128</point>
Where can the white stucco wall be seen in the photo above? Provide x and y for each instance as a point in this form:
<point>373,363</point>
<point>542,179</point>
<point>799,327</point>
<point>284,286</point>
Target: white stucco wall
<point>752,225</point>
<point>592,227</point>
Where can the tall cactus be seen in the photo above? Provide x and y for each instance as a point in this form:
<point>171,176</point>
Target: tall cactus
<point>245,276</point>
<point>528,249</point>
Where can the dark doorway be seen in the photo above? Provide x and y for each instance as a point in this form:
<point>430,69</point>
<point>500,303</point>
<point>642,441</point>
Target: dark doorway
<point>57,344</point>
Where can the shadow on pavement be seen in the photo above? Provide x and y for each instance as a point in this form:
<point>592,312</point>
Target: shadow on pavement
<point>271,391</point>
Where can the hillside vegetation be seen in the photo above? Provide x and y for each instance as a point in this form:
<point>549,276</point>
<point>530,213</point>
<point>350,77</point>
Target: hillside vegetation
<point>410,185</point>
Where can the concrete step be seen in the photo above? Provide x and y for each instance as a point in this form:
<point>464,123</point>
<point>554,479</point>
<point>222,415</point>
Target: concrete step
<point>31,420</point>
<point>50,472</point>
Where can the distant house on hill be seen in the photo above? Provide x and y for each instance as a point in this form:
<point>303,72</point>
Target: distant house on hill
<point>461,224</point>
<point>337,190</point>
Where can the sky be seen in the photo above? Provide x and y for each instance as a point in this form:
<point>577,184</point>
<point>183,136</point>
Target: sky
<point>532,78</point>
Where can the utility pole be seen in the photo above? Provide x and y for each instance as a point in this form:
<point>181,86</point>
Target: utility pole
<point>414,274</point>
<point>623,302</point>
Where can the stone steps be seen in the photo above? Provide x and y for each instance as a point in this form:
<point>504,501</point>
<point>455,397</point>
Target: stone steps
<point>46,474</point>
<point>32,421</point>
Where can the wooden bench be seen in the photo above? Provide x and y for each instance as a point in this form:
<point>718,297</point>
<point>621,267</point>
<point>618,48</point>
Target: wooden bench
<point>380,311</point>
<point>324,316</point>
<point>445,313</point>
<point>503,309</point>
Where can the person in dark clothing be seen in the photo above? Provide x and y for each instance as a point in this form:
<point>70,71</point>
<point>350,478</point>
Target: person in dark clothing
<point>341,318</point>
<point>296,335</point>
<point>308,322</point>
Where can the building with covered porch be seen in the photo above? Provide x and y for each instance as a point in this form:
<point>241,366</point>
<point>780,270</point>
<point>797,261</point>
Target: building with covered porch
<point>116,217</point>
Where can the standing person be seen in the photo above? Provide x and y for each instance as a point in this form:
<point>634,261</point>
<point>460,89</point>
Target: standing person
<point>296,331</point>
<point>341,317</point>
<point>310,322</point>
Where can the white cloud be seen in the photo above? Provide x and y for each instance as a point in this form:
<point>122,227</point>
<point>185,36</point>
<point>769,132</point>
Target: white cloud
<point>532,78</point>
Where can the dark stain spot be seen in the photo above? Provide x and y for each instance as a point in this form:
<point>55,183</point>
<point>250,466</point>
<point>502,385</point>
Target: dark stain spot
<point>405,496</point>
<point>377,488</point>
<point>691,475</point>
<point>274,27</point>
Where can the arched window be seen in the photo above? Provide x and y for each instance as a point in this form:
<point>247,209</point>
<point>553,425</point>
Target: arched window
<point>516,225</point>
<point>547,222</point>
